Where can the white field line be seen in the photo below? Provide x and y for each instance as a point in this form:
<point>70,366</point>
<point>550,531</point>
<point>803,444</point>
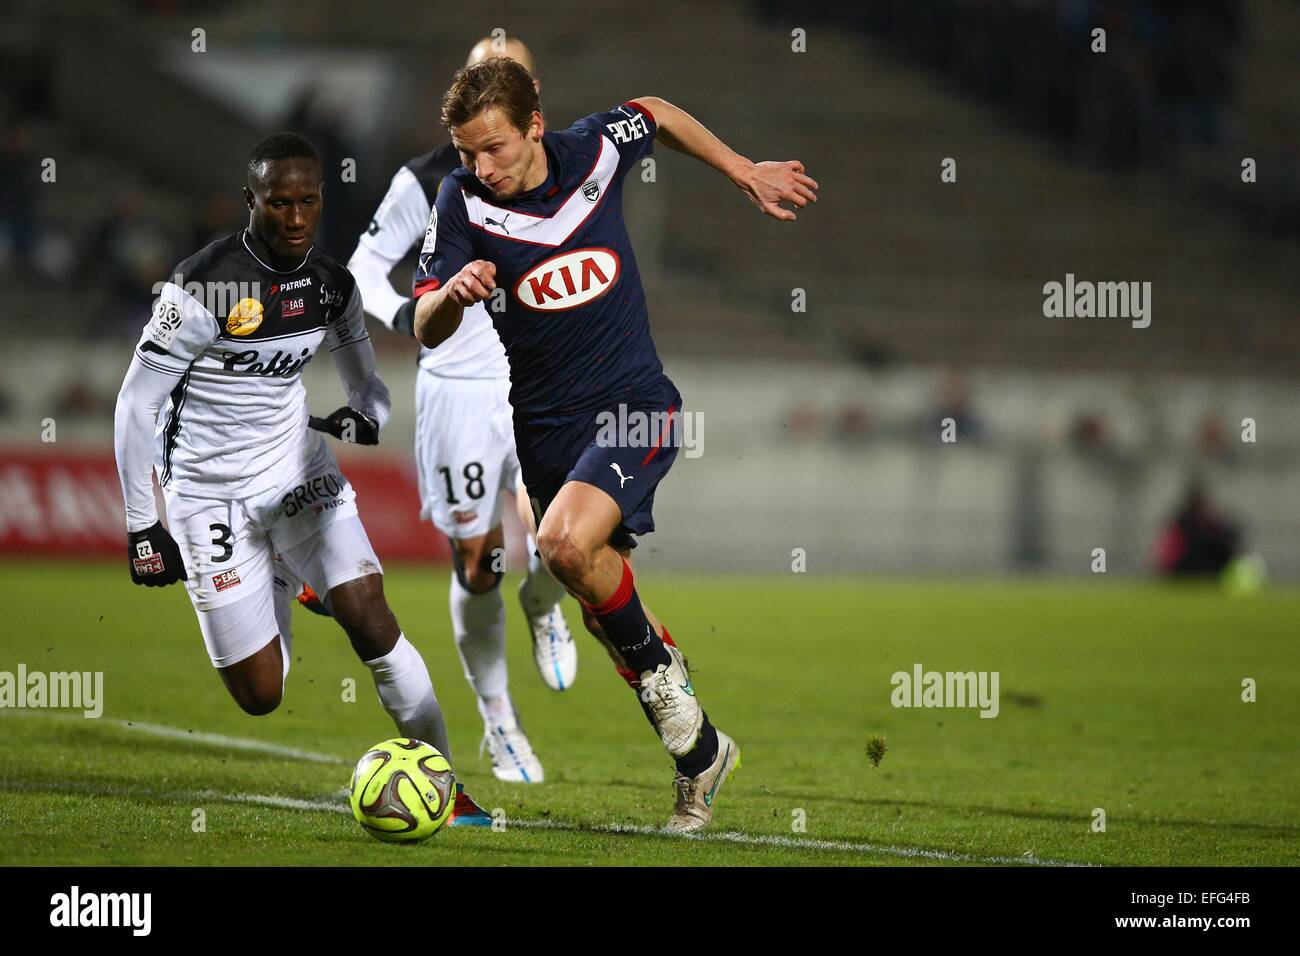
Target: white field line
<point>192,736</point>
<point>612,829</point>
<point>330,806</point>
<point>794,843</point>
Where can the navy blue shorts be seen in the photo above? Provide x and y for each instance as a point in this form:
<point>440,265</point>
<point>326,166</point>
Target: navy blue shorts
<point>624,450</point>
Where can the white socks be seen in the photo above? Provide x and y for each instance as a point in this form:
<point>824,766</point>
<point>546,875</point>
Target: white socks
<point>479,623</point>
<point>406,692</point>
<point>540,592</point>
<point>498,711</point>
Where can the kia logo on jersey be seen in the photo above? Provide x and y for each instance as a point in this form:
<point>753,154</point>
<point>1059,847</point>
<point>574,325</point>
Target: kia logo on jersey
<point>568,280</point>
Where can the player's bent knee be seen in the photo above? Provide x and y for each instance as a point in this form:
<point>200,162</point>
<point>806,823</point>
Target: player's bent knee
<point>256,683</point>
<point>476,576</point>
<point>259,695</point>
<point>259,704</point>
<point>360,608</point>
<point>480,581</point>
<point>359,604</point>
<point>562,557</point>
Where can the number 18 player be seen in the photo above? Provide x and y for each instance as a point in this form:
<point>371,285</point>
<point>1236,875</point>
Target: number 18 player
<point>465,458</point>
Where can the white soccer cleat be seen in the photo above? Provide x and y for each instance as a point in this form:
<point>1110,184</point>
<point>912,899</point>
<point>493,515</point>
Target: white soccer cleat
<point>554,651</point>
<point>694,809</point>
<point>513,759</point>
<point>670,697</point>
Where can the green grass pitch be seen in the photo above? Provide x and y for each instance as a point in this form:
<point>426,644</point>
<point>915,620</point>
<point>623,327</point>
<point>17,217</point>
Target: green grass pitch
<point>1124,697</point>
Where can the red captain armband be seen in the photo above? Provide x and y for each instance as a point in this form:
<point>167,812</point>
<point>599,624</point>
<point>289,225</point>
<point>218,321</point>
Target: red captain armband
<point>426,285</point>
<point>641,109</point>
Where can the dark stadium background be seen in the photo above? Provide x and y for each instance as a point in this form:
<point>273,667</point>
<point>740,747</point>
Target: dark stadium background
<point>923,299</point>
<point>827,536</point>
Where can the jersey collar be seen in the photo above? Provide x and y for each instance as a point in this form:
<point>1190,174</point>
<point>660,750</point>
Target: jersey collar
<point>243,236</point>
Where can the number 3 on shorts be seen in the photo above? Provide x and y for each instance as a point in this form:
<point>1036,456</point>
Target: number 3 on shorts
<point>222,540</point>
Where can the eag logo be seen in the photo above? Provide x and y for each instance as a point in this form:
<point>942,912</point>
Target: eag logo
<point>568,280</point>
<point>225,580</point>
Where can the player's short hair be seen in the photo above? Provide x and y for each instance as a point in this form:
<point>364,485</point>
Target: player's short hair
<point>279,146</point>
<point>500,82</point>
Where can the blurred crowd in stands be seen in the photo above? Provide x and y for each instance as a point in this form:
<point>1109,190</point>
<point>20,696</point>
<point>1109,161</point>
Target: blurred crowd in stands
<point>125,240</point>
<point>1165,85</point>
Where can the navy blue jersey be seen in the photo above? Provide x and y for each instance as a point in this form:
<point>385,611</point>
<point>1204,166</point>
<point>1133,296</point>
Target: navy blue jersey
<point>574,323</point>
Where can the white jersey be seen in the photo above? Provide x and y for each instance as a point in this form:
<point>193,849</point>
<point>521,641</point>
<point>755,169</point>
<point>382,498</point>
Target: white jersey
<point>235,334</point>
<point>401,221</point>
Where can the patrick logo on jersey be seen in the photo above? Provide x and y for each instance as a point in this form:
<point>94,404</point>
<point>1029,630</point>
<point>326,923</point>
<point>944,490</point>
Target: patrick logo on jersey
<point>568,280</point>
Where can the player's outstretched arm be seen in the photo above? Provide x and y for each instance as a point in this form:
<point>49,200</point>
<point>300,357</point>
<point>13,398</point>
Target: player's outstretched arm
<point>154,558</point>
<point>438,312</point>
<point>767,184</point>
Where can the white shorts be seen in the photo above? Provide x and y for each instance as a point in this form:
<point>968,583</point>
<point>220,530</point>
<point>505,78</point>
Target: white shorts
<point>237,553</point>
<point>464,452</point>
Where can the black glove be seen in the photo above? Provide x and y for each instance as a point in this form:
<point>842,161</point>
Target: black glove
<point>404,320</point>
<point>360,428</point>
<point>155,559</point>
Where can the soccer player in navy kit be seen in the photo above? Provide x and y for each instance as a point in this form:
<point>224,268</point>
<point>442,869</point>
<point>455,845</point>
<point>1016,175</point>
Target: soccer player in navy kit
<point>539,214</point>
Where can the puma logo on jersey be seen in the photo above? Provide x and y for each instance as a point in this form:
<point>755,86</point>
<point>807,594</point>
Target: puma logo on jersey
<point>568,280</point>
<point>622,479</point>
<point>502,224</point>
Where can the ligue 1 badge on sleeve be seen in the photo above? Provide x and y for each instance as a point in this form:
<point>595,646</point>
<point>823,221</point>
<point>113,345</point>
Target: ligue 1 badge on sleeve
<point>165,322</point>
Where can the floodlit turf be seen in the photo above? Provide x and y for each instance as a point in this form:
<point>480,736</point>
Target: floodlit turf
<point>1120,697</point>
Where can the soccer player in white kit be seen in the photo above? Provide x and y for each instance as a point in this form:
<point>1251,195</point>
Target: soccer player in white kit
<point>254,498</point>
<point>465,458</point>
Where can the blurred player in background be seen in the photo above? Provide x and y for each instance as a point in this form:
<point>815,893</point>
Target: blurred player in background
<point>465,457</point>
<point>535,222</point>
<point>254,499</point>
